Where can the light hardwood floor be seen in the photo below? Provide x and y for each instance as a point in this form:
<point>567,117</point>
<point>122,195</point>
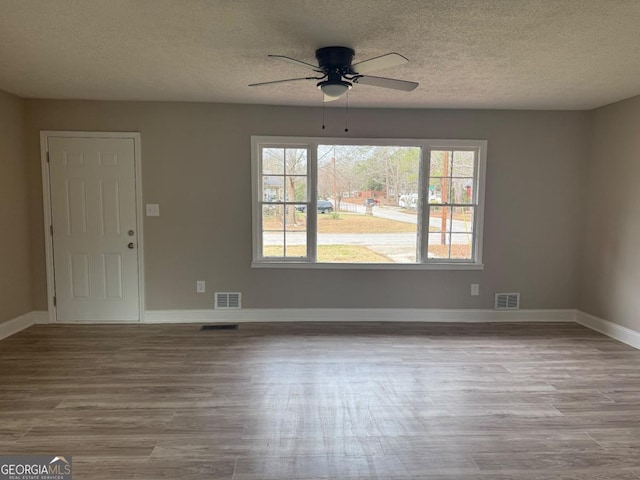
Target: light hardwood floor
<point>332,400</point>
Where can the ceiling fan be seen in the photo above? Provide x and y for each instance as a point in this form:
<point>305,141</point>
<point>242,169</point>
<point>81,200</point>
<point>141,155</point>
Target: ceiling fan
<point>338,74</point>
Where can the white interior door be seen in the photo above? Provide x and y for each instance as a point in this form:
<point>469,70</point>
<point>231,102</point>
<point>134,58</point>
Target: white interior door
<point>94,219</point>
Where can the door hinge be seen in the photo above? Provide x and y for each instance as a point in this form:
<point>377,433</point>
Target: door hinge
<point>47,156</point>
<point>55,301</point>
<point>51,229</point>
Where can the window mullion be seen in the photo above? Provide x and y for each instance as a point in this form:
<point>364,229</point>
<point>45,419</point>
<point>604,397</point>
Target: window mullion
<point>258,200</point>
<point>284,204</point>
<point>258,228</point>
<point>475,201</point>
<point>424,180</point>
<point>312,211</point>
<point>284,225</point>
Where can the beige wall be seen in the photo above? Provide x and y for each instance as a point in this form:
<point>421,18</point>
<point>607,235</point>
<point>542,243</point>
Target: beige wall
<point>16,296</point>
<point>196,165</point>
<point>610,276</point>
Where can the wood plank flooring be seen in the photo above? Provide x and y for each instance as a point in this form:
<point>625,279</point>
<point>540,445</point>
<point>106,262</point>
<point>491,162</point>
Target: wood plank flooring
<point>324,401</point>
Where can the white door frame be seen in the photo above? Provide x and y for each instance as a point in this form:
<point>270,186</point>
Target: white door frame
<point>46,200</point>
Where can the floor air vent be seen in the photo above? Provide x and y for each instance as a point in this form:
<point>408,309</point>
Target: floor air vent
<point>221,326</point>
<point>507,301</point>
<point>228,301</point>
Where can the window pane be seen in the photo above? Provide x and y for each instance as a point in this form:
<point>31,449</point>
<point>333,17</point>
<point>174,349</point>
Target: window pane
<point>439,219</point>
<point>296,161</point>
<point>461,245</point>
<point>296,243</point>
<point>440,164</point>
<point>296,218</point>
<point>337,177</point>
<point>273,161</point>
<point>296,189</point>
<point>374,199</point>
<point>296,250</point>
<point>439,245</point>
<point>436,188</point>
<point>462,221</point>
<point>461,190</point>
<point>272,217</point>
<point>272,189</point>
<point>273,244</point>
<point>463,164</point>
<point>358,238</point>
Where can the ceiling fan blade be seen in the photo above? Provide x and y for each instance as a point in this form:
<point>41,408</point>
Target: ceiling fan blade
<point>403,85</point>
<point>297,62</point>
<point>283,81</point>
<point>378,63</point>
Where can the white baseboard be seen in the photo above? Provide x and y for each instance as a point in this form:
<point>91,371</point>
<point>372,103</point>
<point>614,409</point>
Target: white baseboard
<point>613,330</point>
<point>356,315</point>
<point>18,324</point>
<point>610,329</point>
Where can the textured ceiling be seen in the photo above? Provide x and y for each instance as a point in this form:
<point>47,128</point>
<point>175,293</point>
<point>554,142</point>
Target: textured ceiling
<point>541,54</point>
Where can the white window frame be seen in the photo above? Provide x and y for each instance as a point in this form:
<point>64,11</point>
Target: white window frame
<point>311,143</point>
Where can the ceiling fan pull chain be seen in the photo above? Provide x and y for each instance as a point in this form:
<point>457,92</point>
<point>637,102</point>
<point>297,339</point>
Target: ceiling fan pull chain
<point>323,115</point>
<point>346,115</point>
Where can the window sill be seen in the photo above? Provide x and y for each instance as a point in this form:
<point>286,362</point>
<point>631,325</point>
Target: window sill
<point>370,266</point>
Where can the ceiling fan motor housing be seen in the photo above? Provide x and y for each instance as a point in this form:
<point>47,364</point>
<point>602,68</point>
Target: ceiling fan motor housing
<point>335,59</point>
<point>335,62</point>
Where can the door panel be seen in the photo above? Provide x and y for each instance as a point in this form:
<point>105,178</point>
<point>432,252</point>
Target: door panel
<point>93,211</point>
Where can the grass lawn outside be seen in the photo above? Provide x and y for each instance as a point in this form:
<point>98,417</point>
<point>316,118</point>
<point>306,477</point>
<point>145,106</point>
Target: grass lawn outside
<point>345,223</point>
<point>357,223</point>
<point>362,254</point>
<point>331,253</point>
<point>457,251</point>
<point>437,213</point>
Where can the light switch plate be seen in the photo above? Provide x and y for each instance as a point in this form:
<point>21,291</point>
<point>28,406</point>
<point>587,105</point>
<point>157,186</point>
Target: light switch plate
<point>475,289</point>
<point>153,210</point>
<point>200,286</point>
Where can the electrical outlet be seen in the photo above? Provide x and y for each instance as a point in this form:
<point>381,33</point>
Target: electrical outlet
<point>200,286</point>
<point>475,289</point>
<point>153,210</point>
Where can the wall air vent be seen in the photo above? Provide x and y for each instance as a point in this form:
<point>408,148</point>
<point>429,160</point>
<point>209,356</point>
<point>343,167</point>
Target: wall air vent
<point>507,301</point>
<point>228,301</point>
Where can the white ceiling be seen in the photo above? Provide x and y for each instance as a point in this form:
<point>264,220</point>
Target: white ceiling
<point>540,54</point>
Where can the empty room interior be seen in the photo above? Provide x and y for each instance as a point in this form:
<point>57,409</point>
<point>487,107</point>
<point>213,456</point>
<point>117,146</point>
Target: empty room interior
<point>260,240</point>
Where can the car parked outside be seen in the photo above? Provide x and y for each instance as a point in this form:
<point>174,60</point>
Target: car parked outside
<point>324,206</point>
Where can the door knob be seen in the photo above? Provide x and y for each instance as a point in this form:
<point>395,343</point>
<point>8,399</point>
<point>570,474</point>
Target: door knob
<point>131,245</point>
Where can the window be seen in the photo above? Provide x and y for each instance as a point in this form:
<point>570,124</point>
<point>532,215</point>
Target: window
<point>365,203</point>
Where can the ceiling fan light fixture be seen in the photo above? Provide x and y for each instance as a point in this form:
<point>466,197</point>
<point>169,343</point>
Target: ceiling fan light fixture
<point>334,88</point>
